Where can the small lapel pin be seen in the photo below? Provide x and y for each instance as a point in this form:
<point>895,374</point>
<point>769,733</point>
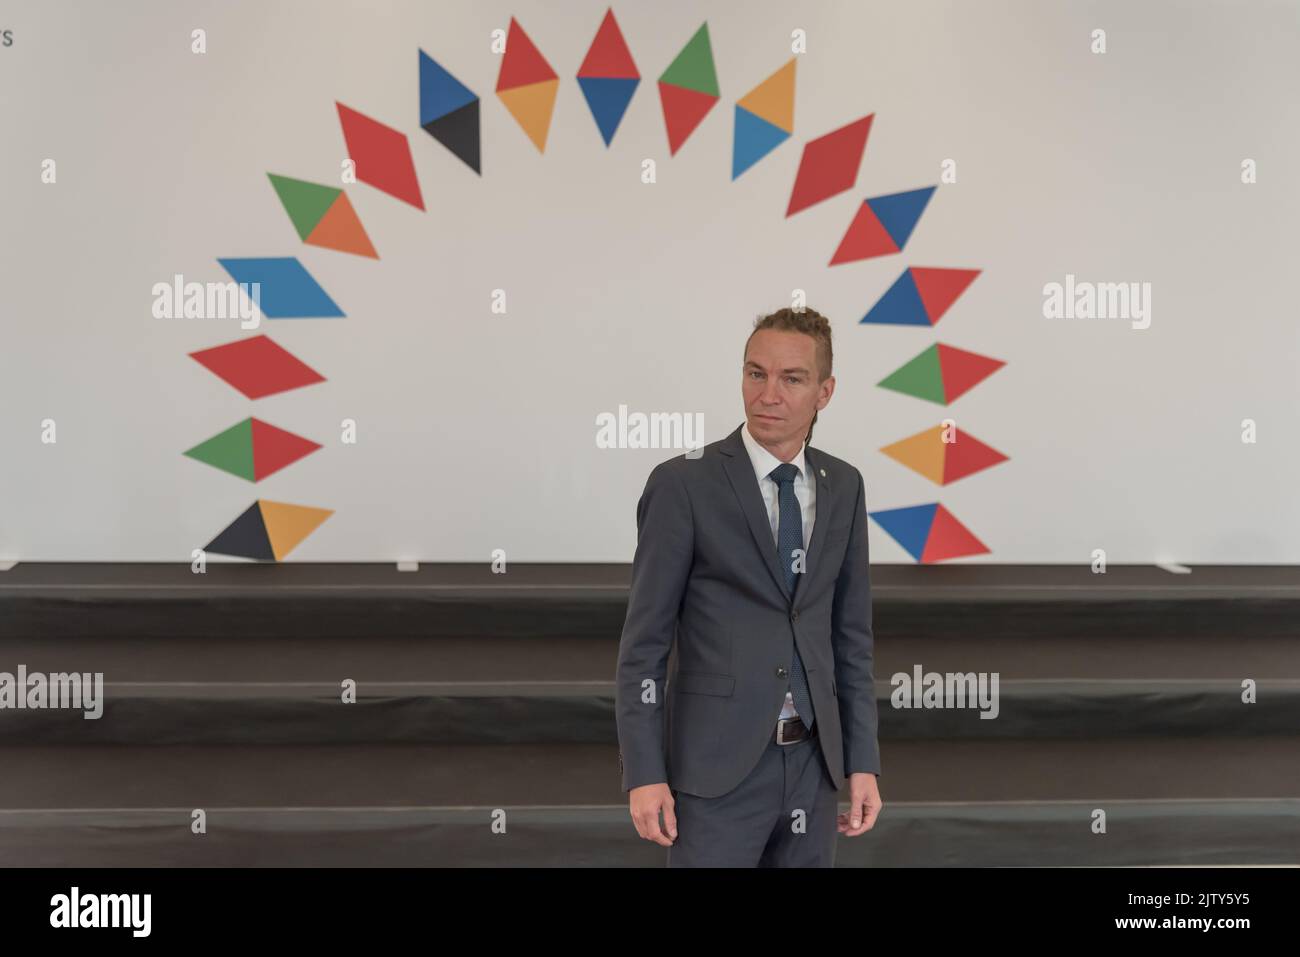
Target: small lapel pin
<point>823,471</point>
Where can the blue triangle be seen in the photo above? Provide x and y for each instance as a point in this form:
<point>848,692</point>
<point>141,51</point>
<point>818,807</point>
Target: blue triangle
<point>286,290</point>
<point>440,92</point>
<point>899,212</point>
<point>755,137</point>
<point>607,98</point>
<point>901,305</point>
<point>909,526</point>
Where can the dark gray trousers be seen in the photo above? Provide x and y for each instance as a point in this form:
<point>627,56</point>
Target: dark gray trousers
<point>782,815</point>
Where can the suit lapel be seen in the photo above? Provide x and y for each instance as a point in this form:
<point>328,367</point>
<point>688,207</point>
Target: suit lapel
<point>817,472</point>
<point>740,472</point>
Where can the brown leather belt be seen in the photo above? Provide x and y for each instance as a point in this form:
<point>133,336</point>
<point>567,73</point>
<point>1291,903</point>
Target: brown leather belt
<point>792,731</point>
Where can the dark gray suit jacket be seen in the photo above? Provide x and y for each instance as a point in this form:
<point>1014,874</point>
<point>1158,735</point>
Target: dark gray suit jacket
<point>710,615</point>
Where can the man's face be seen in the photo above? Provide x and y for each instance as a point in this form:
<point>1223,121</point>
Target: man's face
<point>780,387</point>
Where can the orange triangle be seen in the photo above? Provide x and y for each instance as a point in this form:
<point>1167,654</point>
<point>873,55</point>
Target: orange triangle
<point>773,99</point>
<point>531,107</point>
<point>340,228</point>
<point>922,453</point>
<point>287,525</point>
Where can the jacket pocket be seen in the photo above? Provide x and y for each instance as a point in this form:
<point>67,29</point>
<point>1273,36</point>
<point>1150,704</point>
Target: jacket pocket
<point>702,682</point>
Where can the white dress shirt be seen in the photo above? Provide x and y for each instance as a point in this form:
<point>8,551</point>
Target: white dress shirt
<point>805,491</point>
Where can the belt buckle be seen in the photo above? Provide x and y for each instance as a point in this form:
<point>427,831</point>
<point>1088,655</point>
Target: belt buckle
<point>781,724</point>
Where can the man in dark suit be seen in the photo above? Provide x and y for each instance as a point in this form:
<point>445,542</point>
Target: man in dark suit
<point>745,692</point>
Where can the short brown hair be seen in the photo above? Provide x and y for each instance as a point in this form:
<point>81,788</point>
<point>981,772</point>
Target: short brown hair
<point>811,323</point>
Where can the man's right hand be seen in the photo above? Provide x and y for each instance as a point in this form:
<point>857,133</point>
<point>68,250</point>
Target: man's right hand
<point>645,803</point>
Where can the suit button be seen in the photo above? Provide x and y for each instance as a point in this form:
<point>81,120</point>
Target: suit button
<point>794,616</point>
<point>780,672</point>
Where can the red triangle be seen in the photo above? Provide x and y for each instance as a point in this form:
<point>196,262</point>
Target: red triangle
<point>382,155</point>
<point>866,237</point>
<point>960,371</point>
<point>683,110</point>
<point>966,456</point>
<point>609,57</point>
<point>949,538</point>
<point>274,448</point>
<point>257,367</point>
<point>829,164</point>
<point>522,63</point>
<point>939,288</point>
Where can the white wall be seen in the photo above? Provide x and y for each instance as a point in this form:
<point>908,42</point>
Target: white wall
<point>477,431</point>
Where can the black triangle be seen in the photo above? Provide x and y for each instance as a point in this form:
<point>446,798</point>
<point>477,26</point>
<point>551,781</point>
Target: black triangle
<point>459,132</point>
<point>245,536</point>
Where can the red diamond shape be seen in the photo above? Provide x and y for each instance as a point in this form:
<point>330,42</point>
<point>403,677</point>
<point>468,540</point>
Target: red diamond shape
<point>829,164</point>
<point>257,367</point>
<point>382,155</point>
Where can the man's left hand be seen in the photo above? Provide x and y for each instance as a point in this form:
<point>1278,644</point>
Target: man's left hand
<point>864,805</point>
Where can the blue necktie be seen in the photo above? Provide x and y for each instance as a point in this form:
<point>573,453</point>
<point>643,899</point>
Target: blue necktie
<point>789,537</point>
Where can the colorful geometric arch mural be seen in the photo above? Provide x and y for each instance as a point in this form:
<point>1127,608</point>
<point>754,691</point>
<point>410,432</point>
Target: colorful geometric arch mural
<point>528,88</point>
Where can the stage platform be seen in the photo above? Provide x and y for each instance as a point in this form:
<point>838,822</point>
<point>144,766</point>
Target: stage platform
<point>478,691</point>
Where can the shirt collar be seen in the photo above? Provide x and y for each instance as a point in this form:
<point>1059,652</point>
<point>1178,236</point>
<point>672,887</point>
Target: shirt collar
<point>763,460</point>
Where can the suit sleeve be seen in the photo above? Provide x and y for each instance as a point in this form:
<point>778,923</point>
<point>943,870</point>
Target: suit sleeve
<point>854,648</point>
<point>665,550</point>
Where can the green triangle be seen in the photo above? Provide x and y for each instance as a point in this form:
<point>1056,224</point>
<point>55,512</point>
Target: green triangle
<point>231,450</point>
<point>305,202</point>
<point>920,377</point>
<point>693,68</point>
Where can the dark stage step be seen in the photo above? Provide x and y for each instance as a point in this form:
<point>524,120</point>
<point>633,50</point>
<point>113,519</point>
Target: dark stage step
<point>492,658</point>
<point>490,689</point>
<point>1211,800</point>
<point>277,601</point>
<point>570,712</point>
